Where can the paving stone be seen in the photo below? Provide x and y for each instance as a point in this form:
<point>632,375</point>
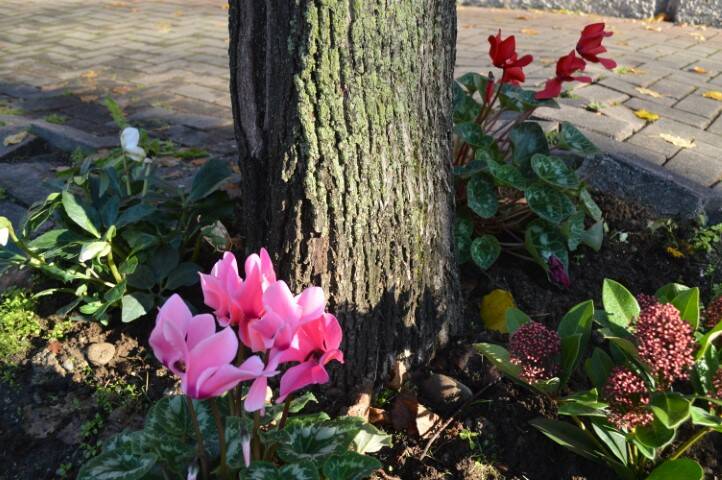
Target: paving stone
<point>699,105</point>
<point>626,150</point>
<point>581,118</point>
<point>672,89</point>
<point>684,131</point>
<point>12,211</point>
<point>668,112</point>
<point>705,170</point>
<point>26,182</point>
<point>601,94</point>
<point>653,142</point>
<point>616,83</point>
<point>64,137</point>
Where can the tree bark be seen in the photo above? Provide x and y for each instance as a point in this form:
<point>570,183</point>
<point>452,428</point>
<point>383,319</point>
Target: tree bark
<point>342,113</point>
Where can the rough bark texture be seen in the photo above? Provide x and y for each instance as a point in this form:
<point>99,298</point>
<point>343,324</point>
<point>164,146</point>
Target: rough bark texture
<point>342,116</point>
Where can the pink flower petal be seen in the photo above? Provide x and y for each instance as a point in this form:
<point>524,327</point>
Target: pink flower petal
<point>256,397</point>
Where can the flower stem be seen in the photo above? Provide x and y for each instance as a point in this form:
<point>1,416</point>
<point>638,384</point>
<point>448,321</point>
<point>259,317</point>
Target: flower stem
<point>225,471</point>
<point>113,268</point>
<point>127,176</point>
<point>146,174</point>
<point>200,448</point>
<point>256,441</point>
<point>690,443</point>
<point>284,415</point>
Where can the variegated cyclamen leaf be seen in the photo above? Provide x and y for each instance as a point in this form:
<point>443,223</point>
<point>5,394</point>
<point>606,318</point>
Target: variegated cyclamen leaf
<point>350,466</point>
<point>117,465</point>
<point>312,442</point>
<point>268,471</point>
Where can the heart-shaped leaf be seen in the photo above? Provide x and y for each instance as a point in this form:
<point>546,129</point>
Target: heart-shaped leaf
<point>554,171</point>
<point>485,250</point>
<point>481,196</point>
<point>547,202</point>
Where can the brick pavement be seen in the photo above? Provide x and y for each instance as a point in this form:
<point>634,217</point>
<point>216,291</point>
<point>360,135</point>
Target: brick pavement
<point>165,61</point>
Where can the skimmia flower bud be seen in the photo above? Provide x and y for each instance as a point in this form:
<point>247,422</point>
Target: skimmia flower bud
<point>628,399</point>
<point>717,384</point>
<point>645,301</point>
<point>665,342</point>
<point>534,348</point>
<point>713,312</point>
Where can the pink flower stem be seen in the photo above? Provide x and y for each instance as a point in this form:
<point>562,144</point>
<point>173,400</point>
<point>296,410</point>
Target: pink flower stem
<point>256,441</point>
<point>284,415</point>
<point>225,471</point>
<point>200,448</point>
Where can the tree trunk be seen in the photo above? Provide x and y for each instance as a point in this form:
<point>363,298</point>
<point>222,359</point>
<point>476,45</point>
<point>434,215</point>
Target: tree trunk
<point>343,120</point>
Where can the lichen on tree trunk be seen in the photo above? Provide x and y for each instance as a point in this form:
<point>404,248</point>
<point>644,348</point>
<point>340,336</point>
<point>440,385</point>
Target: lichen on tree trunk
<point>342,116</point>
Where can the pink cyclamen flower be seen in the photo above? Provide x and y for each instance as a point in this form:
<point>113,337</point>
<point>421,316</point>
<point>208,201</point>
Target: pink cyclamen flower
<point>256,396</point>
<point>284,313</point>
<point>233,299</point>
<point>628,399</point>
<point>665,343</point>
<point>534,348</point>
<point>567,66</point>
<point>590,45</point>
<point>318,344</point>
<point>190,347</point>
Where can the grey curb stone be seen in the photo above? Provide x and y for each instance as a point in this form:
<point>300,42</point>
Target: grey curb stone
<point>69,139</point>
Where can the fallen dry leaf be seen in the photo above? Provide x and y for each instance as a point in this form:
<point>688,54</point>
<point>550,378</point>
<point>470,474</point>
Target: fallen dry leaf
<point>199,162</point>
<point>493,309</point>
<point>647,91</point>
<point>398,375</point>
<point>646,115</point>
<point>89,75</point>
<point>409,415</point>
<point>653,28</point>
<point>122,89</point>
<point>698,36</point>
<point>698,69</point>
<point>15,138</point>
<point>361,407</point>
<point>677,141</point>
<point>164,27</point>
<point>529,31</point>
<point>89,98</point>
<point>522,17</point>
<point>714,95</point>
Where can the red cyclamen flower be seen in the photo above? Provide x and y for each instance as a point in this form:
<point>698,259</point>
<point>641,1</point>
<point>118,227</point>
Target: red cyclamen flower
<point>665,342</point>
<point>713,312</point>
<point>566,67</point>
<point>645,301</point>
<point>557,272</point>
<point>534,347</point>
<point>628,399</point>
<point>503,55</point>
<point>590,45</point>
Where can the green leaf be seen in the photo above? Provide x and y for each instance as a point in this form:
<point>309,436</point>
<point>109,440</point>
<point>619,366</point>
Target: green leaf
<point>568,436</point>
<point>184,275</point>
<point>578,319</point>
<point>687,302</point>
<point>550,204</point>
<point>481,196</point>
<point>590,205</point>
<point>515,98</point>
<point>164,261</point>
<point>117,465</point>
<point>570,138</point>
<point>672,409</point>
<point>463,231</point>
<point>268,471</point>
<point>142,278</point>
<point>527,139</point>
<point>313,442</point>
<point>681,468</point>
<point>115,293</point>
<point>471,133</point>
<point>598,367</point>
<point>507,174</point>
<point>54,238</point>
<point>571,346</point>
<point>668,292</point>
<point>212,175</point>
<point>619,303</point>
<point>135,305</point>
<point>499,357</point>
<point>473,82</point>
<point>593,237</point>
<point>702,417</point>
<point>554,171</point>
<point>573,229</point>
<point>615,441</point>
<point>92,250</point>
<point>350,466</point>
<point>236,429</point>
<point>109,210</point>
<point>706,341</point>
<point>466,109</point>
<point>543,240</point>
<point>78,213</point>
<point>134,214</point>
<point>370,440</point>
<point>515,318</point>
<point>470,169</point>
<point>484,251</point>
<point>654,435</point>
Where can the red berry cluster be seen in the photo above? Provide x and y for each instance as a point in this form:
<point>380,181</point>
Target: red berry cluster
<point>713,312</point>
<point>628,399</point>
<point>645,301</point>
<point>665,342</point>
<point>534,348</point>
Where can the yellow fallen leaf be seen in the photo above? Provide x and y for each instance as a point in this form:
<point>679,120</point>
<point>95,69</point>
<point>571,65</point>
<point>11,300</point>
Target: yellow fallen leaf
<point>714,95</point>
<point>677,141</point>
<point>493,309</point>
<point>674,252</point>
<point>698,36</point>
<point>15,138</point>
<point>698,69</point>
<point>529,31</point>
<point>122,89</point>
<point>89,75</point>
<point>646,115</point>
<point>653,29</point>
<point>164,27</point>
<point>647,91</point>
